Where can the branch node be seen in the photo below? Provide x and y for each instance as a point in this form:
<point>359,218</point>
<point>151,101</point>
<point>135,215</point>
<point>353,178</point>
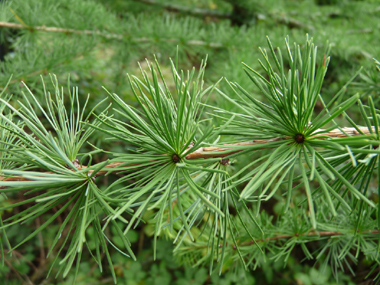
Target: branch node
<point>176,158</point>
<point>299,138</point>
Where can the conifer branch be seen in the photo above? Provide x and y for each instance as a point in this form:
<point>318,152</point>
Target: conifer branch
<point>215,151</point>
<point>187,10</point>
<point>284,20</point>
<point>105,35</point>
<point>311,233</point>
<point>207,152</point>
<point>59,30</point>
<point>38,72</point>
<point>170,173</point>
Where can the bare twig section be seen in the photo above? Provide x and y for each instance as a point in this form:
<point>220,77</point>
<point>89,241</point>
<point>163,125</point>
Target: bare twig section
<point>207,152</point>
<point>214,151</point>
<point>109,168</point>
<point>341,133</point>
<point>13,178</point>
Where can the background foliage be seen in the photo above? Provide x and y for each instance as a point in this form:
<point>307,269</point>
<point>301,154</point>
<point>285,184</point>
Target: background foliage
<point>122,33</point>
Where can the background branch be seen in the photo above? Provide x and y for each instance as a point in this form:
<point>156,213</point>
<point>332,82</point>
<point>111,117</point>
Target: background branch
<point>105,35</point>
<point>311,233</point>
<point>188,10</point>
<point>240,15</point>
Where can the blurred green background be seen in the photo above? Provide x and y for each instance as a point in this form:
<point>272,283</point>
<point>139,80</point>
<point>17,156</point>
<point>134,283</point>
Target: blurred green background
<point>124,32</point>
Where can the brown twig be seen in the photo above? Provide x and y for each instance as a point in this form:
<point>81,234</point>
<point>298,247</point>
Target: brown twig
<point>216,151</point>
<point>207,152</point>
